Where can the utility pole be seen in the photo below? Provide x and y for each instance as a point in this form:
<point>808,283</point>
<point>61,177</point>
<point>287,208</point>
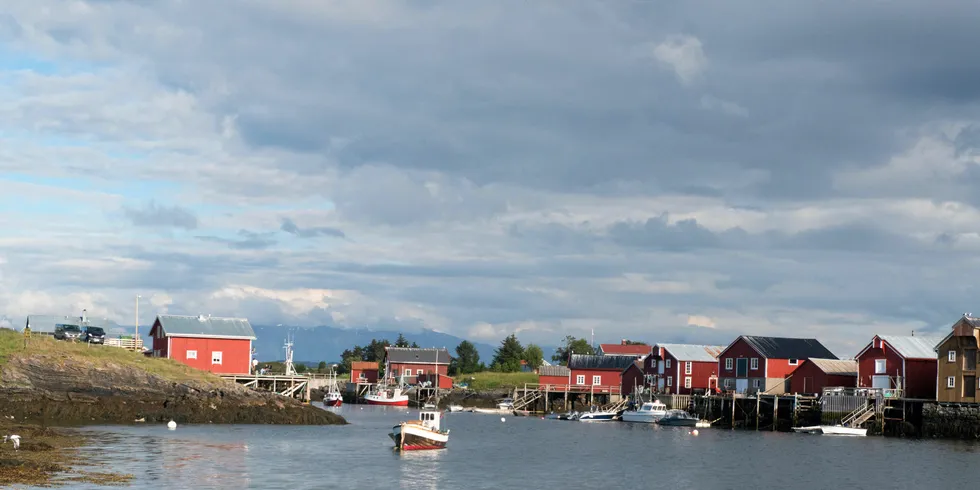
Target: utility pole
<point>137,332</point>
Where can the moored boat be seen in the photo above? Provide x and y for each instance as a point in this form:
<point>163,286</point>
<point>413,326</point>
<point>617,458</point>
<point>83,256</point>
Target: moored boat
<point>455,408</point>
<point>333,399</point>
<point>678,418</point>
<point>505,404</point>
<point>649,413</point>
<point>387,396</point>
<point>421,434</point>
<point>832,430</point>
<point>598,416</point>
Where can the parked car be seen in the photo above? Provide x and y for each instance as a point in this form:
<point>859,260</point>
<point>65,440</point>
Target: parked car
<point>67,332</point>
<point>93,335</point>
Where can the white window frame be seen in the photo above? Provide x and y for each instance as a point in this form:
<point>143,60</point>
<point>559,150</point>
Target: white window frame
<point>670,381</point>
<point>580,379</point>
<point>728,383</point>
<point>406,372</point>
<point>756,384</point>
<point>653,363</point>
<point>667,364</point>
<point>951,382</point>
<point>883,363</point>
<point>754,364</point>
<point>729,364</point>
<point>951,356</point>
<point>688,367</point>
<point>596,380</point>
<point>216,357</point>
<point>687,382</point>
<point>191,354</point>
<point>419,372</point>
<point>794,362</point>
<point>362,375</point>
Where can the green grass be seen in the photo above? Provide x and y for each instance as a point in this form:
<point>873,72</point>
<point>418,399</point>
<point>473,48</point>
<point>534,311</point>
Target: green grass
<point>492,381</point>
<point>12,344</point>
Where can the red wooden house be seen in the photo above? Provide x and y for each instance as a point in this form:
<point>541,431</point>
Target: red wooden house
<point>218,345</point>
<point>414,365</point>
<point>623,349</point>
<point>896,362</point>
<point>753,364</point>
<point>683,368</point>
<point>364,372</point>
<point>814,375</point>
<point>632,378</point>
<point>554,376</point>
<point>597,374</point>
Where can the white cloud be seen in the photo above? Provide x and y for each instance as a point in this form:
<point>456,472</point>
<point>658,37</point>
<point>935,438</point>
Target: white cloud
<point>684,55</point>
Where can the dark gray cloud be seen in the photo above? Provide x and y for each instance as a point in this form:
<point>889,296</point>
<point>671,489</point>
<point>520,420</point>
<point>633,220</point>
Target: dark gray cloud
<point>310,232</point>
<point>161,216</point>
<point>247,240</point>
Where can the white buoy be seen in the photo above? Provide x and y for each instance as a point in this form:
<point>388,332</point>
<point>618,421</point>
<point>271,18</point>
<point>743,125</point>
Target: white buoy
<point>694,432</point>
<point>16,440</point>
<point>171,425</point>
<point>502,419</point>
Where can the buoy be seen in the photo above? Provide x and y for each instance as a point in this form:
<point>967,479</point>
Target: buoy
<point>171,425</point>
<point>694,432</point>
<point>502,419</point>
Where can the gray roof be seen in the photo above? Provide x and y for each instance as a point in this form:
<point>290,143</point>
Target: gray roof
<point>917,347</point>
<point>691,352</point>
<point>46,323</point>
<point>840,367</point>
<point>584,361</point>
<point>553,371</point>
<point>425,355</point>
<point>788,348</point>
<point>205,326</point>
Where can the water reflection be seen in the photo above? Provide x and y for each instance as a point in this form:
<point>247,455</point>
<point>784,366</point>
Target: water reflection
<point>421,470</point>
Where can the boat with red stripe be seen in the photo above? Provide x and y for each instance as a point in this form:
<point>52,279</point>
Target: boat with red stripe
<point>423,434</point>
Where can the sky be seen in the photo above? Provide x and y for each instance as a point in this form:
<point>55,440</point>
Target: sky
<point>654,170</point>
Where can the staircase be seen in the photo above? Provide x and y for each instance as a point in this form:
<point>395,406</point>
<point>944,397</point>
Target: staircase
<point>858,417</point>
<point>806,403</point>
<point>529,398</point>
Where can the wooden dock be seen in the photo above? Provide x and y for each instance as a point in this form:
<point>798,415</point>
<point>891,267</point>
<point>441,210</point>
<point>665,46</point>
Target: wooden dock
<point>294,386</point>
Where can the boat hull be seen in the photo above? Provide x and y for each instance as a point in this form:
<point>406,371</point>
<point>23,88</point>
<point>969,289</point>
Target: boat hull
<point>832,430</point>
<point>410,437</point>
<point>642,417</point>
<point>669,422</point>
<point>333,403</point>
<point>598,417</point>
<point>395,401</point>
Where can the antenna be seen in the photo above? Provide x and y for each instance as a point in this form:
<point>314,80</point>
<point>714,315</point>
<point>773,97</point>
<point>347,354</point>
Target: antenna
<point>290,369</point>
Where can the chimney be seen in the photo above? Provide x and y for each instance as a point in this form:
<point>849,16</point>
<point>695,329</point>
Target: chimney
<point>622,342</point>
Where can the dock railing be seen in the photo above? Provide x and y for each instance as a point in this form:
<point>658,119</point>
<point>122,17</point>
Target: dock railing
<point>574,388</point>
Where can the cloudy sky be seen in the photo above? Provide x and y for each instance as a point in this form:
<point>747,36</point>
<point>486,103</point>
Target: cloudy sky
<point>661,170</point>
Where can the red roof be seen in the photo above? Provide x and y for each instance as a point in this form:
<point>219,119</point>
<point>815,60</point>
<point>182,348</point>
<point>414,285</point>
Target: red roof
<point>364,365</point>
<point>625,350</point>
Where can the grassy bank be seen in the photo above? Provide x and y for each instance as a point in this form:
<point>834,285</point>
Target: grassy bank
<point>12,343</point>
<point>496,381</point>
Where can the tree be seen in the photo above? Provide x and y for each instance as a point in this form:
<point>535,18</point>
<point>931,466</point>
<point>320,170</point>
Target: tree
<point>414,345</point>
<point>634,342</point>
<point>402,341</point>
<point>300,368</point>
<point>507,358</point>
<point>322,367</point>
<point>533,355</point>
<point>571,345</point>
<point>467,358</point>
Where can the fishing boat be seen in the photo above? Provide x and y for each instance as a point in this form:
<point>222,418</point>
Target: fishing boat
<point>649,413</point>
<point>424,433</point>
<point>333,397</point>
<point>596,415</point>
<point>832,430</point>
<point>678,418</point>
<point>388,397</point>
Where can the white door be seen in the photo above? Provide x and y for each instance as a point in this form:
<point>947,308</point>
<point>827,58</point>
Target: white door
<point>880,382</point>
<point>741,385</point>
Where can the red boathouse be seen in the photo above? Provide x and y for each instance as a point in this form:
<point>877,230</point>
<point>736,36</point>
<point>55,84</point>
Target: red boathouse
<point>218,345</point>
<point>408,364</point>
<point>816,374</point>
<point>893,362</point>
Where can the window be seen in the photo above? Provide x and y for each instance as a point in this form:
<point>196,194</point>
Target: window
<point>951,382</point>
<point>192,354</point>
<point>755,383</point>
<point>361,375</point>
<point>667,363</point>
<point>653,363</point>
<point>687,382</point>
<point>597,380</point>
<point>970,359</point>
<point>755,363</point>
<point>407,371</point>
<point>728,382</point>
<point>688,367</point>
<point>951,356</point>
<point>418,372</point>
<point>793,362</point>
<point>216,357</point>
<point>729,364</point>
<point>880,366</point>
<point>670,381</point>
<point>580,379</point>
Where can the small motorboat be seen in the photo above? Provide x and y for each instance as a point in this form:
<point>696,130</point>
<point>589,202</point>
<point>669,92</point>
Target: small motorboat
<point>389,397</point>
<point>649,413</point>
<point>333,399</point>
<point>596,415</point>
<point>832,430</point>
<point>505,404</point>
<point>493,411</point>
<point>455,408</point>
<point>424,433</point>
<point>678,418</point>
<point>429,406</point>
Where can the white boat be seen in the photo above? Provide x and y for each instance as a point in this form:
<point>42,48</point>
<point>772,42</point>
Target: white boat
<point>649,412</point>
<point>387,396</point>
<point>493,411</point>
<point>598,416</point>
<point>424,433</point>
<point>832,430</point>
<point>506,404</point>
<point>455,408</point>
<point>429,406</point>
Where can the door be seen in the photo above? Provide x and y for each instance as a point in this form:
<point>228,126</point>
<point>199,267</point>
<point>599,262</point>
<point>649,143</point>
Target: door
<point>880,382</point>
<point>808,384</point>
<point>741,367</point>
<point>969,386</point>
<point>741,385</point>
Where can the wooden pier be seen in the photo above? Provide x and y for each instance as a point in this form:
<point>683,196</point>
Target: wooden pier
<point>541,398</point>
<point>294,385</point>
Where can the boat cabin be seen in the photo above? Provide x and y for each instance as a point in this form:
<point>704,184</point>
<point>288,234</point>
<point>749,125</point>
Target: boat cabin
<point>431,419</point>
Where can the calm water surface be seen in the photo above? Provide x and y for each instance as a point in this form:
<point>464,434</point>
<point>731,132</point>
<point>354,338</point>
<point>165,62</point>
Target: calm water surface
<point>523,452</point>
